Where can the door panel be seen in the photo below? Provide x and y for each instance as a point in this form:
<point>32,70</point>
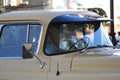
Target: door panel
<point>85,67</point>
<point>12,66</point>
<point>60,67</point>
<point>22,69</point>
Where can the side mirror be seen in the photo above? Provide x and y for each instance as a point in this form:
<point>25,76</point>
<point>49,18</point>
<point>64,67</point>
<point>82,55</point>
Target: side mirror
<point>28,51</point>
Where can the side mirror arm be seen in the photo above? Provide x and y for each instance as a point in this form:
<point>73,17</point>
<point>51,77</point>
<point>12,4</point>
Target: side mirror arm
<point>28,53</point>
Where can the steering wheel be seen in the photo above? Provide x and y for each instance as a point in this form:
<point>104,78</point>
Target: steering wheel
<point>83,42</point>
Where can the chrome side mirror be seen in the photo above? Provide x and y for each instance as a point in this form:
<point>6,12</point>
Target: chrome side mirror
<point>28,51</point>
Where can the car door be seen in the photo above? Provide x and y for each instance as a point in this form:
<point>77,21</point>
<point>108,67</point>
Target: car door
<point>12,64</point>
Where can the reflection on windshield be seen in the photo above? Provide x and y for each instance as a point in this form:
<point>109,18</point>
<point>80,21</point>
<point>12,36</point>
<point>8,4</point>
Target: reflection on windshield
<point>99,37</point>
<point>0,29</point>
<point>1,26</point>
<point>75,36</point>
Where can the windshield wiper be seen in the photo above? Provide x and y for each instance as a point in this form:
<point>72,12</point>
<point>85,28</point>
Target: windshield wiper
<point>97,46</point>
<point>104,46</point>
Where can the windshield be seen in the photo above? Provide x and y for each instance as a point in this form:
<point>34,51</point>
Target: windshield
<point>68,37</point>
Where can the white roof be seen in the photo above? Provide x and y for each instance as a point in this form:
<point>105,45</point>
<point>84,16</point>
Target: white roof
<point>39,15</point>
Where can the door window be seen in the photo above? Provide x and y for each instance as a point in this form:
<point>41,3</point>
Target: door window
<point>13,36</point>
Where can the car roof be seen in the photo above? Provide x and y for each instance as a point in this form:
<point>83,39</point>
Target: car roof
<point>43,15</point>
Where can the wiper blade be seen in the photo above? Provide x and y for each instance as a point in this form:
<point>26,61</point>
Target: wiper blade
<point>97,46</point>
<point>104,46</point>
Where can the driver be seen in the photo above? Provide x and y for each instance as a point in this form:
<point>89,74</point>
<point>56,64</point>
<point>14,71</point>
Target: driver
<point>80,43</point>
<point>79,33</point>
<point>66,42</point>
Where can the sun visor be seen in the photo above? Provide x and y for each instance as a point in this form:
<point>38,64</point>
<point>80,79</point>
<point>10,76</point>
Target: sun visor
<point>79,18</point>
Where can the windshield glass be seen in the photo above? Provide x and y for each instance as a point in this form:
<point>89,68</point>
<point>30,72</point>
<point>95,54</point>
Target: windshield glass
<point>68,37</point>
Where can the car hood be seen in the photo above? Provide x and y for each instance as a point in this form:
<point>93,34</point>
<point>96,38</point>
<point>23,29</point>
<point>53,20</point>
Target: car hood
<point>101,51</point>
<point>97,60</point>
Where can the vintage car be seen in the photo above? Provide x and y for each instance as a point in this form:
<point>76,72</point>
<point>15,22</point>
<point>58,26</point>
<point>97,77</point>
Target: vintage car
<point>56,45</point>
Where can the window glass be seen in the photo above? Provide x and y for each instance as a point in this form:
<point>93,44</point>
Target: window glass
<point>13,36</point>
<point>34,37</point>
<point>69,37</point>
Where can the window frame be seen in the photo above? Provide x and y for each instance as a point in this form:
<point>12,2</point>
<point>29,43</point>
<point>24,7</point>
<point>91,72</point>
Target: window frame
<point>58,23</point>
